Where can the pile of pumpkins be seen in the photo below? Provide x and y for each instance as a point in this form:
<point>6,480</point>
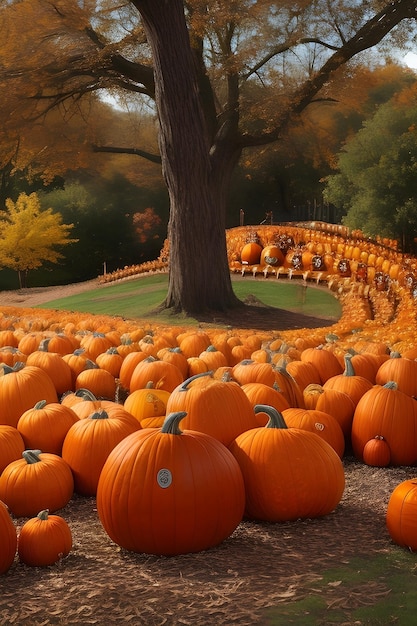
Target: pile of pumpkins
<point>190,430</point>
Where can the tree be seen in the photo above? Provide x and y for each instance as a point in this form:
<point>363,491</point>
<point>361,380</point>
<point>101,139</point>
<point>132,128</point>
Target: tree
<point>205,59</point>
<point>375,183</point>
<point>29,236</point>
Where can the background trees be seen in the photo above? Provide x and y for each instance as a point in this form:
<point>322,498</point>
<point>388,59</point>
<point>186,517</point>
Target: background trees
<point>237,76</point>
<point>377,170</point>
<point>29,237</point>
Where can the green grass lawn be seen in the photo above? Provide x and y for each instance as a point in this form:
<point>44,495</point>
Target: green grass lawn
<point>141,296</point>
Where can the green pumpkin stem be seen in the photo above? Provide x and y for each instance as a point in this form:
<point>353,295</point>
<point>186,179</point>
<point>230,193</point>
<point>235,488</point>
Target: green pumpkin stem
<point>39,405</point>
<point>171,423</point>
<point>349,369</point>
<point>276,419</point>
<point>31,456</point>
<point>99,415</point>
<point>43,515</point>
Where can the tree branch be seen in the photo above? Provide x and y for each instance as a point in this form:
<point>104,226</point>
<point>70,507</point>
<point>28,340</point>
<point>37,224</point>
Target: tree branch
<point>154,158</point>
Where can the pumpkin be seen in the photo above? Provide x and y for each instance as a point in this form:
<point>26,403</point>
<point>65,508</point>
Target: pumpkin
<point>45,425</point>
<point>272,255</point>
<point>169,491</point>
<point>54,365</point>
<point>348,382</point>
<point>88,443</point>
<point>319,422</point>
<point>213,358</point>
<point>288,473</point>
<point>402,371</point>
<point>251,253</point>
<point>193,343</point>
<point>304,373</point>
<point>289,388</point>
<point>95,343</point>
<point>77,362</point>
<point>249,371</point>
<point>111,361</point>
<point>8,539</point>
<point>325,362</point>
<point>21,386</point>
<point>376,452</point>
<point>44,540</point>
<point>215,407</point>
<point>162,374</point>
<point>401,515</point>
<point>11,445</point>
<point>259,393</point>
<point>392,414</point>
<point>175,356</point>
<point>129,363</point>
<point>99,381</point>
<point>36,481</point>
<point>336,403</point>
<point>147,404</point>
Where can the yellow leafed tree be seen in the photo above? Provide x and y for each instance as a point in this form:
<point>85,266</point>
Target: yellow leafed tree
<point>30,236</point>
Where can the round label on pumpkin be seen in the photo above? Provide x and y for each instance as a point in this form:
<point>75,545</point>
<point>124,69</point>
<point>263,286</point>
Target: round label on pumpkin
<point>319,426</point>
<point>164,478</point>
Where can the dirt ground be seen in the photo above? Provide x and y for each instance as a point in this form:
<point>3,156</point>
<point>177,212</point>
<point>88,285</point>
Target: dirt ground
<point>255,577</point>
<point>258,572</point>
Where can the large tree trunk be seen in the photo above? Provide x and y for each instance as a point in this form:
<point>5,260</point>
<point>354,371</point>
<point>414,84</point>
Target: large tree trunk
<point>199,278</point>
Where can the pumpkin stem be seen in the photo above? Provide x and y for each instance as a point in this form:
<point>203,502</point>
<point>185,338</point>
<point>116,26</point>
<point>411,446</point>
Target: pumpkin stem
<point>171,423</point>
<point>186,383</point>
<point>85,394</point>
<point>39,405</point>
<point>99,415</point>
<point>43,515</point>
<point>391,384</point>
<point>276,419</point>
<point>31,456</point>
<point>349,369</point>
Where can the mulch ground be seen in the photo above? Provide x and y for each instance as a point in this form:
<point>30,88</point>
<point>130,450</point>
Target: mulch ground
<point>257,573</point>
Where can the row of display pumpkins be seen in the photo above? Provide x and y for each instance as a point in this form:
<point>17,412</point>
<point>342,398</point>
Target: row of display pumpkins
<point>283,481</point>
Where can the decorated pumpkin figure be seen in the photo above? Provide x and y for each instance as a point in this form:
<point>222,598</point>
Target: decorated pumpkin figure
<point>401,516</point>
<point>167,492</point>
<point>44,540</point>
<point>289,473</point>
<point>8,539</point>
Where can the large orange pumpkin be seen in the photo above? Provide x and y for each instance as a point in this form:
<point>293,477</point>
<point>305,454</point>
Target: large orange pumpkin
<point>289,473</point>
<point>392,414</point>
<point>323,424</point>
<point>11,445</point>
<point>167,492</point>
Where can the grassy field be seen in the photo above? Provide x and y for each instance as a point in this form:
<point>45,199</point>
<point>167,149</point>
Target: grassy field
<point>140,297</point>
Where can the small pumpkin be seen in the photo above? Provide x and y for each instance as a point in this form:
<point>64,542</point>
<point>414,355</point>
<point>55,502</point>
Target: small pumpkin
<point>44,540</point>
<point>167,491</point>
<point>376,452</point>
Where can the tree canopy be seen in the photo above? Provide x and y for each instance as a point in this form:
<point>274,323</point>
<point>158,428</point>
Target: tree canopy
<point>375,184</point>
<point>30,237</point>
<point>226,77</point>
